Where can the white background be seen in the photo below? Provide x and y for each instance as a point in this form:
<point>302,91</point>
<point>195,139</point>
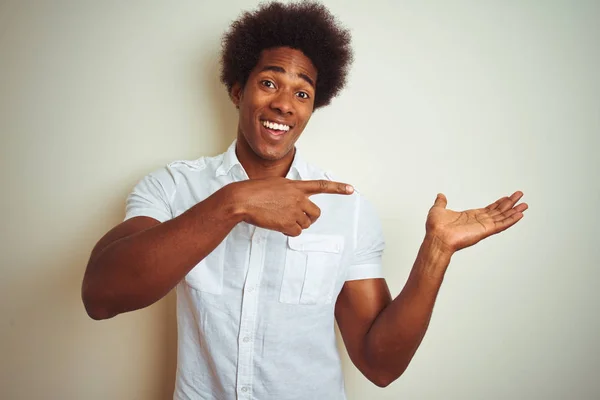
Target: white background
<point>475,99</point>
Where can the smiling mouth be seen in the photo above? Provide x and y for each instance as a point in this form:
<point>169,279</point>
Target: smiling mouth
<point>275,128</point>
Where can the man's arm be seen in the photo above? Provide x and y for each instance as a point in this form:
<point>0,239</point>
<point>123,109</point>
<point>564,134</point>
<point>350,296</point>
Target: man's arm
<point>382,335</point>
<point>141,260</point>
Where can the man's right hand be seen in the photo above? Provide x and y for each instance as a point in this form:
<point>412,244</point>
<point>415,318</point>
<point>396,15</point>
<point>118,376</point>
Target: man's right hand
<point>282,204</point>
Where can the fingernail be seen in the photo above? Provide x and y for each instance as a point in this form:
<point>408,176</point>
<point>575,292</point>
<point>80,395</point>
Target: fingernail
<point>349,189</point>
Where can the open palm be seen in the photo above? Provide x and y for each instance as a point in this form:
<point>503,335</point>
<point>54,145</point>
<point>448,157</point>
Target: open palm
<point>460,229</point>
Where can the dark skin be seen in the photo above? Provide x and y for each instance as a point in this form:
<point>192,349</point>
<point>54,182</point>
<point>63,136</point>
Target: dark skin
<point>381,334</point>
<point>141,260</point>
<point>279,89</point>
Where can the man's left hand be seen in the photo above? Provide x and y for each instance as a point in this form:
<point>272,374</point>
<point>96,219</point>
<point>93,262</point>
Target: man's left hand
<point>457,230</point>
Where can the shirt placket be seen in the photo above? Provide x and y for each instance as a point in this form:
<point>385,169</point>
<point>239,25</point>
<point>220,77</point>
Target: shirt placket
<point>249,312</point>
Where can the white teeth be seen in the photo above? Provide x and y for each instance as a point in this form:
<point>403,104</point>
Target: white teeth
<point>275,126</point>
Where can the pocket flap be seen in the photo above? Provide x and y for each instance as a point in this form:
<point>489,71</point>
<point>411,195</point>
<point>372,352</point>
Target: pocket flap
<point>317,242</point>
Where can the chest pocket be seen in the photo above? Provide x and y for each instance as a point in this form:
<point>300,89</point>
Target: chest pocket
<point>312,262</point>
<point>207,275</point>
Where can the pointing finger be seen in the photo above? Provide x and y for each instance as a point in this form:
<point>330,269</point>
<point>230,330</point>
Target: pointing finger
<point>324,186</point>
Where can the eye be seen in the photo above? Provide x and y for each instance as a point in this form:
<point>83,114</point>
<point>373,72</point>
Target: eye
<point>268,84</point>
<point>303,95</point>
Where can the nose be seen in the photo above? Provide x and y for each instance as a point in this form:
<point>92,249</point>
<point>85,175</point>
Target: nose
<point>282,103</point>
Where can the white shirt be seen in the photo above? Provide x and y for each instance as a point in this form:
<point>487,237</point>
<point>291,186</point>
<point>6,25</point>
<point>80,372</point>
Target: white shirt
<point>256,317</point>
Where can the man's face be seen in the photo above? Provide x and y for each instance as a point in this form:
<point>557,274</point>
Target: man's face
<point>276,102</point>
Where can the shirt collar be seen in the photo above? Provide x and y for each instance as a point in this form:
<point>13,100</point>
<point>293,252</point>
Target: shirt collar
<point>299,166</point>
<point>230,160</point>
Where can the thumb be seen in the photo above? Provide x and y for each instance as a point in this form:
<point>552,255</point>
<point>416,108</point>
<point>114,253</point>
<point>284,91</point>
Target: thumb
<point>440,201</point>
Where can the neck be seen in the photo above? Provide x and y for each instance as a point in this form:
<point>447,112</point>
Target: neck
<point>259,168</point>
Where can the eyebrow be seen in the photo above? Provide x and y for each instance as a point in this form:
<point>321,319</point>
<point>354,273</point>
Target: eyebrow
<point>283,71</point>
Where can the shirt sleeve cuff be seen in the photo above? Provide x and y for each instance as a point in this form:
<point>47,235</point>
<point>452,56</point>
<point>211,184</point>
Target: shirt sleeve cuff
<point>147,212</point>
<point>364,271</point>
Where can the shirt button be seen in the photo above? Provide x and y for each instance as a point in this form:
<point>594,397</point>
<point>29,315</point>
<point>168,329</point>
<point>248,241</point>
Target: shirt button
<point>244,389</point>
<point>250,289</point>
<point>246,339</point>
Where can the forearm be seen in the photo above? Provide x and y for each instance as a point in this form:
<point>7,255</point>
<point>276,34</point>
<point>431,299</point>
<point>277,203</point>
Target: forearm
<point>135,271</point>
<point>399,329</point>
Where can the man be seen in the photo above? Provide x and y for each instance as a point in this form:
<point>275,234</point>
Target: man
<point>265,250</point>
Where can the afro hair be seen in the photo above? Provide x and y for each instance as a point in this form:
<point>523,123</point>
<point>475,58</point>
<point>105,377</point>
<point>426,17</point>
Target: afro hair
<point>306,26</point>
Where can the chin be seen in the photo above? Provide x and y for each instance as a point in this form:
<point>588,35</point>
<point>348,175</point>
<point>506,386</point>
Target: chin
<point>263,148</point>
<point>268,151</point>
<point>271,153</point>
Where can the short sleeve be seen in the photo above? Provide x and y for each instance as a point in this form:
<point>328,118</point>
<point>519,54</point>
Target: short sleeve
<point>369,243</point>
<point>151,197</point>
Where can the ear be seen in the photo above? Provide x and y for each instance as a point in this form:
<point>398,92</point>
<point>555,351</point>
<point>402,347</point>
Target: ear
<point>236,93</point>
